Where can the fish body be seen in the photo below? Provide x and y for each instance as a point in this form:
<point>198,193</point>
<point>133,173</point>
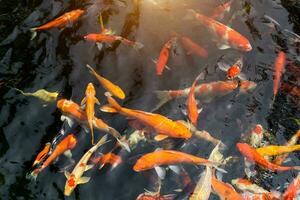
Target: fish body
<point>292,90</point>
<point>168,157</point>
<point>273,150</point>
<point>254,156</point>
<point>226,36</point>
<point>42,94</point>
<point>224,190</point>
<point>146,196</point>
<point>278,71</point>
<point>246,185</point>
<point>62,21</point>
<point>219,11</point>
<point>159,123</point>
<point>193,48</point>
<point>67,143</point>
<point>41,156</point>
<point>292,190</point>
<point>262,196</point>
<point>108,85</point>
<point>108,158</point>
<point>234,70</point>
<point>75,177</point>
<point>164,56</point>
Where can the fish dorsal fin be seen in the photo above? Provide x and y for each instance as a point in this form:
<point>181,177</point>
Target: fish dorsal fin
<point>160,137</point>
<point>83,180</point>
<point>88,167</point>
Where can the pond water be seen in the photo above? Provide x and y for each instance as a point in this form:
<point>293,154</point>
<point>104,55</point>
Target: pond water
<point>56,58</point>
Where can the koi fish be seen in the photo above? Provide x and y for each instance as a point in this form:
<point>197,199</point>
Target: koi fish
<point>164,54</point>
<point>273,150</point>
<point>75,177</point>
<point>64,146</point>
<point>224,190</point>
<point>107,38</point>
<point>279,69</point>
<point>108,85</point>
<point>226,36</point>
<point>41,94</point>
<point>150,196</point>
<point>205,91</point>
<point>292,141</point>
<point>62,21</point>
<point>109,158</point>
<point>263,196</point>
<point>219,11</point>
<point>74,111</point>
<point>256,136</point>
<point>254,156</point>
<point>41,156</point>
<point>234,70</point>
<point>89,100</point>
<point>291,89</point>
<point>292,190</point>
<point>162,125</point>
<point>192,109</point>
<point>247,186</point>
<point>193,48</point>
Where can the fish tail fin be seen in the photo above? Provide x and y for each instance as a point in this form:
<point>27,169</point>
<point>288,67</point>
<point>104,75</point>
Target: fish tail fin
<point>296,168</point>
<point>92,71</point>
<point>121,140</point>
<point>112,101</point>
<point>163,97</point>
<point>33,33</point>
<point>92,134</point>
<point>32,175</point>
<point>190,14</point>
<point>19,91</point>
<point>102,141</point>
<point>138,45</point>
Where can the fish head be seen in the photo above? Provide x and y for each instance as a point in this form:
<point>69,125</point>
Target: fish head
<point>70,185</point>
<point>90,90</point>
<point>183,129</point>
<point>72,141</point>
<point>244,45</point>
<point>143,163</point>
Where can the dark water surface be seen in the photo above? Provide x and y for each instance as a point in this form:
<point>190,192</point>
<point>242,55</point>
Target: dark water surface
<point>56,59</point>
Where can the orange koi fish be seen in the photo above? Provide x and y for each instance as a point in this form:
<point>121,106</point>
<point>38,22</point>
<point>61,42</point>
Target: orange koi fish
<point>164,54</point>
<point>292,141</point>
<point>234,70</point>
<point>89,100</point>
<point>292,190</point>
<point>193,48</point>
<point>226,36</point>
<point>66,144</point>
<point>273,150</point>
<point>206,91</point>
<point>168,157</point>
<point>63,20</point>
<point>219,11</point>
<point>108,38</point>
<point>109,158</point>
<point>254,156</point>
<point>279,69</point>
<point>162,125</point>
<point>108,85</point>
<point>224,190</point>
<point>73,111</point>
<point>41,156</point>
<point>192,111</point>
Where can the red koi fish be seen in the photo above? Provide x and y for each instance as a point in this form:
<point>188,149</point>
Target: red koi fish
<point>292,190</point>
<point>42,155</point>
<point>162,125</point>
<point>279,69</point>
<point>62,21</point>
<point>193,48</point>
<point>254,156</point>
<point>226,36</point>
<point>66,144</point>
<point>109,158</point>
<point>164,54</point>
<point>234,70</point>
<point>219,11</point>
<point>192,111</point>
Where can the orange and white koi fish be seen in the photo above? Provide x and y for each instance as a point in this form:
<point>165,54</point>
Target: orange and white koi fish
<point>251,154</point>
<point>262,196</point>
<point>193,48</point>
<point>71,110</point>
<point>155,196</point>
<point>75,177</point>
<point>89,100</point>
<point>164,54</point>
<point>107,38</point>
<point>292,141</point>
<point>247,186</point>
<point>60,22</point>
<point>206,91</point>
<point>219,11</point>
<point>226,36</point>
<point>108,85</point>
<point>162,125</point>
<point>224,190</point>
<point>256,136</point>
<point>273,150</point>
<point>279,69</point>
<point>192,108</point>
<point>234,70</point>
<point>64,146</point>
<point>108,158</point>
<point>42,155</point>
<point>292,190</point>
<point>168,157</point>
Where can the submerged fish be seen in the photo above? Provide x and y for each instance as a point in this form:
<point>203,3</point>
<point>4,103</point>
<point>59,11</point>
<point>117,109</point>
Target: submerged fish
<point>41,94</point>
<point>108,158</point>
<point>233,70</point>
<point>292,190</point>
<point>193,48</point>
<point>75,177</point>
<point>219,12</point>
<point>278,70</point>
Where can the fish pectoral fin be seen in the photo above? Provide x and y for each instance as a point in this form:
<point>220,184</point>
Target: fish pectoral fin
<point>68,153</point>
<point>223,46</point>
<point>88,167</point>
<point>83,101</point>
<point>99,46</point>
<point>175,169</point>
<point>67,174</point>
<point>200,110</point>
<point>108,108</point>
<point>69,121</point>
<point>184,111</point>
<point>83,180</point>
<point>161,172</point>
<point>97,101</point>
<point>242,76</point>
<point>160,137</point>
